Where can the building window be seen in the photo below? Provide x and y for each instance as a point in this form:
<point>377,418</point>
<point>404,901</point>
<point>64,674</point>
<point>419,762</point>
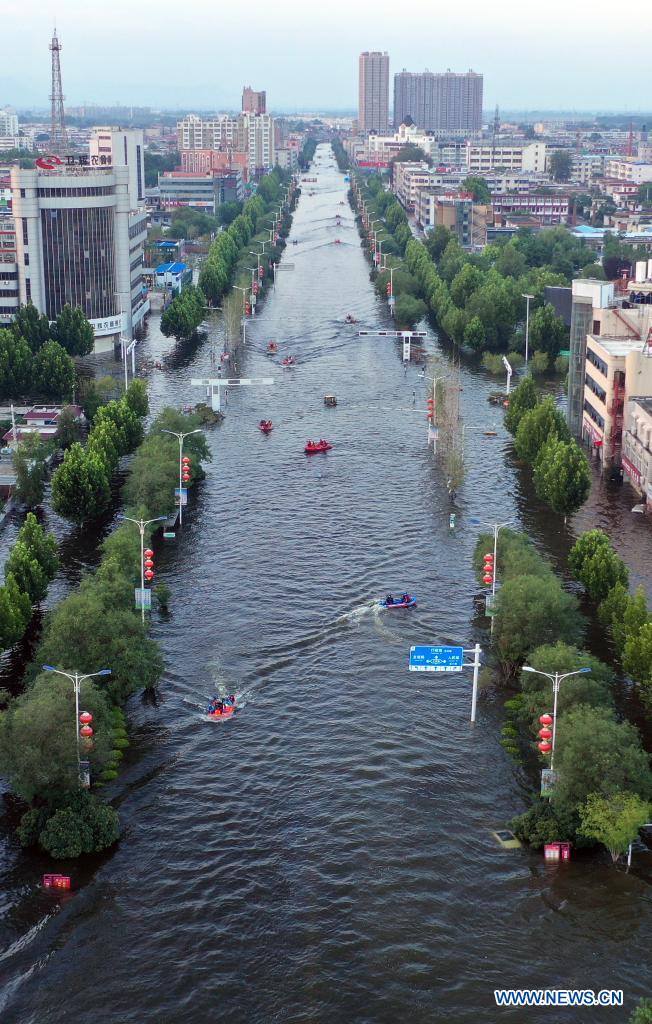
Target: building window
<point>597,362</point>
<point>595,388</point>
<point>25,235</point>
<point>78,260</point>
<point>26,259</point>
<point>22,193</point>
<point>595,416</point>
<point>28,290</point>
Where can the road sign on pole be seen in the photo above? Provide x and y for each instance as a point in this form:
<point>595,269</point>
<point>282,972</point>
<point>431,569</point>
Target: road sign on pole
<point>143,597</point>
<point>181,496</point>
<point>448,659</point>
<point>436,659</point>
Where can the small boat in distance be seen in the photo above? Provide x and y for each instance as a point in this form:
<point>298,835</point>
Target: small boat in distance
<point>272,348</point>
<point>314,447</point>
<point>350,319</point>
<point>330,400</point>
<point>265,426</point>
<point>288,361</point>
<point>404,601</point>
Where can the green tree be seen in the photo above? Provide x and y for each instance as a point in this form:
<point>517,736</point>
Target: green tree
<point>539,363</point>
<point>31,325</point>
<point>80,486</point>
<point>613,820</point>
<point>645,193</point>
<point>41,545</point>
<point>594,753</point>
<point>436,241</point>
<point>135,398</point>
<point>73,331</point>
<point>592,689</point>
<point>628,621</point>
<point>560,164</point>
<point>474,335</point>
<point>38,752</point>
<point>83,826</point>
<point>53,371</point>
<point>478,187</point>
<point>596,565</point>
<point>642,1013</point>
<point>637,656</point>
<point>27,572</point>
<point>68,428</point>
<point>562,476</point>
<point>15,613</point>
<point>87,629</point>
<point>548,332</point>
<point>15,365</point>
<point>31,470</point>
<point>523,398</point>
<point>531,610</point>
<point>537,427</point>
<point>408,311</point>
<point>465,282</point>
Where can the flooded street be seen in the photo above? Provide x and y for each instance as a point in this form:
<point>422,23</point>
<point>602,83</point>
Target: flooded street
<point>326,857</point>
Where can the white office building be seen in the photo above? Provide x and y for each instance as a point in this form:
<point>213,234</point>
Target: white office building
<point>122,147</point>
<point>79,241</point>
<point>257,140</point>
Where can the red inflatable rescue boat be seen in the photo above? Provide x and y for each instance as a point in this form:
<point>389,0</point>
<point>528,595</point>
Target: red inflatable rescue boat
<point>312,448</point>
<point>265,426</point>
<point>228,710</point>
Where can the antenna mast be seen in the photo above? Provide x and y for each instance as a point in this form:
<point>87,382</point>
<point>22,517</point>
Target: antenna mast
<point>58,138</point>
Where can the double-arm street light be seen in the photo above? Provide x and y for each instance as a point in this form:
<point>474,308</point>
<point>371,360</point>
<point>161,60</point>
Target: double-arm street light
<point>181,438</point>
<point>141,524</point>
<point>76,679</point>
<point>555,678</point>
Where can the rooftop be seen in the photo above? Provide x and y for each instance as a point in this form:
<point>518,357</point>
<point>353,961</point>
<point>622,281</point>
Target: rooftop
<point>644,402</point>
<point>617,347</point>
<point>171,268</point>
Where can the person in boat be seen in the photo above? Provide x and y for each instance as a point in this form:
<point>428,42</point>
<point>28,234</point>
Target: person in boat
<point>389,599</point>
<point>213,706</point>
<point>405,598</point>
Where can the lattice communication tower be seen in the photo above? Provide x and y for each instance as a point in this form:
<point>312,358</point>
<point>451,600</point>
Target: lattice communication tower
<point>58,137</point>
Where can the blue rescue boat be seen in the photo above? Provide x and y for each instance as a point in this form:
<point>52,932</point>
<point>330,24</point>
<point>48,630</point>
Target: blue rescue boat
<point>405,601</point>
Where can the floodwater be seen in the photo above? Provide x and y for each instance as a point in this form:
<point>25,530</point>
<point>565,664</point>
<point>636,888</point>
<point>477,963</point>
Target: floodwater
<point>326,856</point>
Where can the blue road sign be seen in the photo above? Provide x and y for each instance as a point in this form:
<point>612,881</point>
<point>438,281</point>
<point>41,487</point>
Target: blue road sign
<point>436,659</point>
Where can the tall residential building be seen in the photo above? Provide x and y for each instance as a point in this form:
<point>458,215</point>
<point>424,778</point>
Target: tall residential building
<point>214,133</point>
<point>8,123</point>
<point>447,104</point>
<point>256,137</point>
<point>79,241</point>
<point>122,147</point>
<point>373,92</point>
<point>253,102</point>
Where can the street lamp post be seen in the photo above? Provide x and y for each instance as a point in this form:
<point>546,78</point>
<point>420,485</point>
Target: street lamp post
<point>141,524</point>
<point>555,678</point>
<point>527,326</point>
<point>181,437</point>
<point>76,679</point>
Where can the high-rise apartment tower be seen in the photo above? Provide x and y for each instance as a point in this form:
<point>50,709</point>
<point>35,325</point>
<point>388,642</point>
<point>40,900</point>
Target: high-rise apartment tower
<point>446,103</point>
<point>253,102</point>
<point>373,92</point>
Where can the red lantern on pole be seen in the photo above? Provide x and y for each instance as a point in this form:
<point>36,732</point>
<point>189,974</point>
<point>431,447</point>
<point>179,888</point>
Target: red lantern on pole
<point>85,718</point>
<point>148,553</point>
<point>544,746</point>
<point>431,408</point>
<point>149,574</point>
<point>186,458</point>
<point>545,719</point>
<point>545,733</point>
<point>149,563</point>
<point>86,731</point>
<point>488,557</point>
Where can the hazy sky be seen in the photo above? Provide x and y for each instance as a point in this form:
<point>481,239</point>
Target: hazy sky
<point>570,54</point>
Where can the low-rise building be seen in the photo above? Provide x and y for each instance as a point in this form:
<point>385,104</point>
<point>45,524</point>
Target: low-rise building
<point>615,368</point>
<point>547,209</point>
<point>626,169</point>
<point>484,157</point>
<point>199,191</point>
<point>637,446</point>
